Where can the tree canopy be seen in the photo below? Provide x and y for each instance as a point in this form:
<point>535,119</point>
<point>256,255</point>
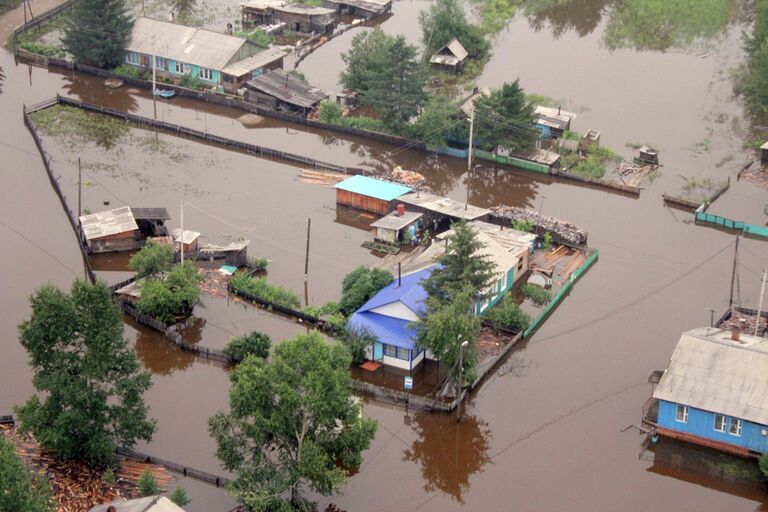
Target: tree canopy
<point>90,381</point>
<point>754,86</point>
<point>360,285</point>
<point>172,295</point>
<point>97,32</point>
<point>505,118</point>
<point>440,117</point>
<point>16,490</point>
<point>444,20</point>
<point>386,72</point>
<point>153,259</point>
<point>291,421</point>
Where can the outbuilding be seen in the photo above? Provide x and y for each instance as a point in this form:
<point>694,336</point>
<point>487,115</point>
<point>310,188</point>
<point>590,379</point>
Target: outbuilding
<point>111,230</point>
<point>451,56</point>
<point>190,240</point>
<point>296,17</point>
<point>369,194</point>
<point>366,9</point>
<point>397,227</point>
<point>552,122</point>
<point>279,90</point>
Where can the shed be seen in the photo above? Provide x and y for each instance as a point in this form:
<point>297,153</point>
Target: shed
<point>148,504</point>
<point>111,230</point>
<point>369,194</point>
<point>366,9</point>
<point>151,221</point>
<point>297,17</point>
<point>552,122</point>
<point>397,227</point>
<point>764,154</point>
<point>234,254</point>
<point>278,89</point>
<point>451,56</point>
<point>437,209</point>
<point>190,240</point>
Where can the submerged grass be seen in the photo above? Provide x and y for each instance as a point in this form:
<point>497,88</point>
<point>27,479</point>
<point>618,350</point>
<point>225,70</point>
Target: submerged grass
<point>76,127</point>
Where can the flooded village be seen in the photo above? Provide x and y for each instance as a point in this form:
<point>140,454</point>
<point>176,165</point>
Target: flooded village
<point>518,261</point>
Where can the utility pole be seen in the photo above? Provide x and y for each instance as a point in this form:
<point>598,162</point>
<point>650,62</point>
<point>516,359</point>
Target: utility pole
<point>711,317</point>
<point>471,133</point>
<point>181,235</point>
<point>460,383</point>
<point>154,75</point>
<point>306,256</point>
<point>79,188</point>
<point>733,273</point>
<point>760,304</point>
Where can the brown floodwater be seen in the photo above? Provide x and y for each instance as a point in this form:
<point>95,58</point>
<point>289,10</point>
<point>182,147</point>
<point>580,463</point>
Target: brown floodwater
<point>545,435</point>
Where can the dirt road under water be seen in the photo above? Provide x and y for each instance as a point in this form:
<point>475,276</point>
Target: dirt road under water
<point>545,435</point>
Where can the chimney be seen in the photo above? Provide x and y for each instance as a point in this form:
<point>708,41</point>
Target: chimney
<point>400,209</point>
<point>735,333</point>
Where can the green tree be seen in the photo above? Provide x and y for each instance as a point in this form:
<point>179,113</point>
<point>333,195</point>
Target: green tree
<point>254,343</point>
<point>89,378</point>
<point>171,295</point>
<point>366,53</point>
<point>360,285</point>
<point>330,112</point>
<point>755,84</point>
<point>439,115</point>
<point>763,463</point>
<point>97,32</point>
<point>444,20</point>
<point>179,497</point>
<point>16,490</point>
<point>153,259</point>
<point>148,484</point>
<point>463,266</point>
<point>505,118</point>
<point>292,421</point>
<point>508,315</point>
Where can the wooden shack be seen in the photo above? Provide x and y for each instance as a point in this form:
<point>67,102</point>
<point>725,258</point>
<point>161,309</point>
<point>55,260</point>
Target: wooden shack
<point>151,221</point>
<point>111,230</point>
<point>552,122</point>
<point>278,90</point>
<point>451,56</point>
<point>368,194</point>
<point>234,254</point>
<point>190,240</point>
<point>398,227</point>
<point>296,17</point>
<point>366,9</point>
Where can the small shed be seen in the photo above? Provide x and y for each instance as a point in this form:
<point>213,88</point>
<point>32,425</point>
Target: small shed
<point>366,9</point>
<point>552,122</point>
<point>277,89</point>
<point>368,194</point>
<point>111,230</point>
<point>397,227</point>
<point>764,154</point>
<point>451,56</point>
<point>437,209</point>
<point>151,221</point>
<point>234,254</point>
<point>190,240</point>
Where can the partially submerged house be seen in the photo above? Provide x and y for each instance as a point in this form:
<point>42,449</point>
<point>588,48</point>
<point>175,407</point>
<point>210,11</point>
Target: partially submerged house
<point>218,60</point>
<point>234,254</point>
<point>296,17</point>
<point>451,56</point>
<point>369,194</point>
<point>398,227</point>
<point>366,9</point>
<point>279,90</point>
<point>715,391</point>
<point>389,316</point>
<point>122,229</point>
<point>552,122</point>
<point>440,211</point>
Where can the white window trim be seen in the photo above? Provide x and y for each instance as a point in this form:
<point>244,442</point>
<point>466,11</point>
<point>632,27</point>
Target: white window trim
<point>722,426</point>
<point>206,74</point>
<point>178,67</point>
<point>685,413</point>
<point>739,426</point>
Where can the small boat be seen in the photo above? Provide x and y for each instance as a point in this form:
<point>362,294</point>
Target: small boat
<point>113,83</point>
<point>164,93</point>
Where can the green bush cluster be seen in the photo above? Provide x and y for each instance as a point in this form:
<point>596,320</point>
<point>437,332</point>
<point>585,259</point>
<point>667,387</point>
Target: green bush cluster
<point>127,71</point>
<point>259,287</point>
<point>506,314</point>
<point>258,263</point>
<point>190,81</point>
<point>536,293</point>
<point>172,295</point>
<point>254,343</point>
<point>360,285</point>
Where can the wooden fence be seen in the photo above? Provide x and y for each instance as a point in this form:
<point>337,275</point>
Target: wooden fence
<point>7,420</point>
<point>218,481</point>
<point>39,20</point>
<point>403,398</point>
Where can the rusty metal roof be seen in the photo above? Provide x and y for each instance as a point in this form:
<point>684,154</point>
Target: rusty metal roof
<point>289,89</point>
<point>711,372</point>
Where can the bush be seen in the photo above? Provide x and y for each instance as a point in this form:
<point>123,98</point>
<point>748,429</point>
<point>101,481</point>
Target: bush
<point>356,342</point>
<point>329,308</point>
<point>153,259</point>
<point>148,484</point>
<point>179,497</point>
<point>190,81</point>
<point>536,293</point>
<point>365,123</point>
<point>255,343</point>
<point>127,71</point>
<point>330,112</point>
<point>257,35</point>
<point>360,285</point>
<point>523,225</point>
<point>508,315</point>
<point>258,263</point>
<point>108,476</point>
<point>547,241</point>
<point>170,296</point>
<point>259,287</point>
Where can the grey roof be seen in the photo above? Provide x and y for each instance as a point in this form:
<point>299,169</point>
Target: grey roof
<point>189,236</point>
<point>289,89</point>
<point>450,54</point>
<point>186,44</point>
<point>304,9</point>
<point>367,5</point>
<point>148,504</point>
<point>150,214</point>
<point>110,222</point>
<point>396,222</point>
<point>711,372</point>
<point>261,59</point>
<point>443,205</point>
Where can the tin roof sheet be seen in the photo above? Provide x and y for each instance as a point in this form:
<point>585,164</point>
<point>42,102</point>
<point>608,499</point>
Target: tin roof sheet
<point>189,236</point>
<point>444,205</point>
<point>371,187</point>
<point>150,214</point>
<point>110,222</point>
<point>289,89</point>
<point>711,372</point>
<point>395,221</point>
<point>259,60</point>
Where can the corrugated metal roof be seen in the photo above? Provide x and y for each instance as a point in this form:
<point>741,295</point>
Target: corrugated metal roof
<point>708,371</point>
<point>148,504</point>
<point>408,291</point>
<point>189,45</point>
<point>289,89</point>
<point>370,187</point>
<point>395,221</point>
<point>450,54</point>
<point>386,329</point>
<point>368,5</point>
<point>150,214</point>
<point>248,64</point>
<point>444,205</point>
<point>189,236</point>
<point>110,222</point>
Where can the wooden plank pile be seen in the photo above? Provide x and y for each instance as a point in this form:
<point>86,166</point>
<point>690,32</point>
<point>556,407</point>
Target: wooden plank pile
<point>75,486</point>
<point>743,321</point>
<point>214,283</point>
<point>565,231</point>
<point>324,178</point>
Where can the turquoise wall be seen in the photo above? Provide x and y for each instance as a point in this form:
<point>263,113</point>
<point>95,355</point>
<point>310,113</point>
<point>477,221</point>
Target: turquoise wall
<point>194,70</point>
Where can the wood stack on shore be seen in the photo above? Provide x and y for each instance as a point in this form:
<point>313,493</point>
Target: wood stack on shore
<point>565,231</point>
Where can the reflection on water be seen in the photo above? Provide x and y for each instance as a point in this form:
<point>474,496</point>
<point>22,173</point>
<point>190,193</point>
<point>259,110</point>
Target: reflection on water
<point>582,16</point>
<point>89,90</point>
<point>449,453</point>
<point>493,186</point>
<point>157,354</point>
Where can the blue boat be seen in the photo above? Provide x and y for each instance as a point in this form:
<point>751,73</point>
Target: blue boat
<point>164,93</point>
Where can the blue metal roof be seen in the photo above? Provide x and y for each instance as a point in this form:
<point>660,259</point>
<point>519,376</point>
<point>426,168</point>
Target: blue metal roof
<point>370,187</point>
<point>387,329</point>
<point>409,292</point>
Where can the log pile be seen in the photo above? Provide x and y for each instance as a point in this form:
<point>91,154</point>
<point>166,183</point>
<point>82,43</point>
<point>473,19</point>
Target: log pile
<point>745,322</point>
<point>214,283</point>
<point>564,231</point>
<point>408,178</point>
<point>75,486</point>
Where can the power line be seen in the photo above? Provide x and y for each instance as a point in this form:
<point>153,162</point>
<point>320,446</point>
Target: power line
<point>42,249</point>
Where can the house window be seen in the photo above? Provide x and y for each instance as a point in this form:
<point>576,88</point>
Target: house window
<point>132,58</point>
<point>681,414</point>
<point>719,422</point>
<point>206,74</point>
<point>159,62</point>
<point>404,354</point>
<point>390,350</point>
<point>735,429</point>
<point>178,67</point>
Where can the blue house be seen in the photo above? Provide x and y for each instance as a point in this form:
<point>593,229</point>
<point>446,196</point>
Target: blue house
<point>715,391</point>
<point>218,60</point>
<point>389,315</point>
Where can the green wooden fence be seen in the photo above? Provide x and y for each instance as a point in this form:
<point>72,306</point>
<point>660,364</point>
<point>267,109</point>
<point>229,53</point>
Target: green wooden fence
<point>723,222</point>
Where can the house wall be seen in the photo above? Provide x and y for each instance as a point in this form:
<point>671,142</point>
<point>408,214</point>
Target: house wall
<point>500,287</point>
<point>397,363</point>
<point>167,67</point>
<point>702,423</point>
<point>361,202</point>
<point>388,235</point>
<point>397,310</point>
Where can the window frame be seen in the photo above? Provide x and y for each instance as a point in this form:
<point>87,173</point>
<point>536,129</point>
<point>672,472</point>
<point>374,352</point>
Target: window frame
<point>390,350</point>
<point>739,427</point>
<point>684,409</point>
<point>407,354</point>
<point>205,74</point>
<point>724,421</point>
<point>178,67</point>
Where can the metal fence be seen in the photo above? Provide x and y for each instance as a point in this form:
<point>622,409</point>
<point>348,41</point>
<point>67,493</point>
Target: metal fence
<point>737,225</point>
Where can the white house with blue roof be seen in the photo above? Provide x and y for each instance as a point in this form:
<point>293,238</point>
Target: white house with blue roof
<point>389,316</point>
